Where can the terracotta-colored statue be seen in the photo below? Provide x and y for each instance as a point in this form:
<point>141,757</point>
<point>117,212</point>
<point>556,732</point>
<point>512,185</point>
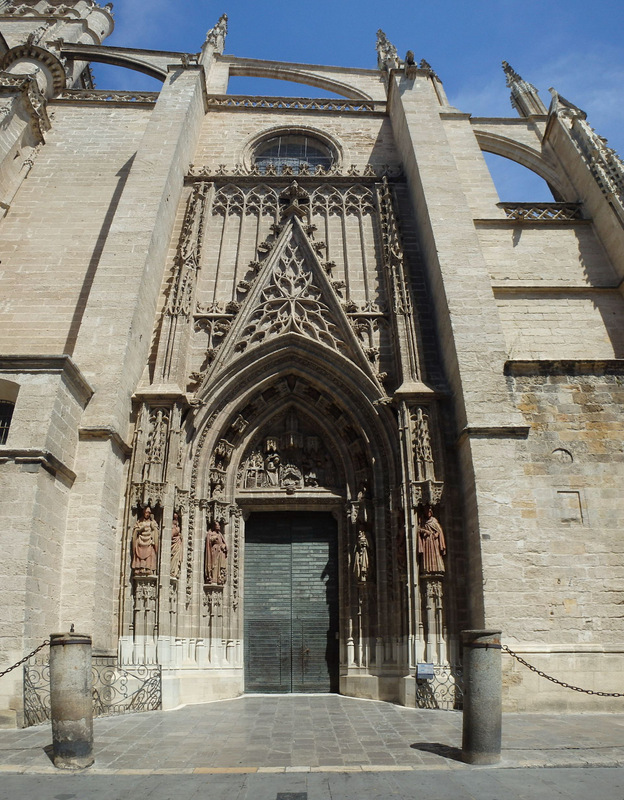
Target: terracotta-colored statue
<point>145,544</point>
<point>431,544</point>
<point>362,557</point>
<point>215,563</point>
<point>176,547</point>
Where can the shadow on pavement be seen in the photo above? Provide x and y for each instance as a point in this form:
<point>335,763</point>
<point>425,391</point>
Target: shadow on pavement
<point>444,750</point>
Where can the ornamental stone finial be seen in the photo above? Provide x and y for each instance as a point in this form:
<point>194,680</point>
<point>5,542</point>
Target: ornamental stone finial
<point>216,35</point>
<point>387,55</point>
<point>524,96</point>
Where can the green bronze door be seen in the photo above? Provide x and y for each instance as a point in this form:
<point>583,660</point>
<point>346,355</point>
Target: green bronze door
<point>291,603</point>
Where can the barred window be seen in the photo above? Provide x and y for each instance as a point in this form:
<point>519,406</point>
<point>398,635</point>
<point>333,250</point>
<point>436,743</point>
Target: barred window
<point>6,412</point>
<point>292,150</point>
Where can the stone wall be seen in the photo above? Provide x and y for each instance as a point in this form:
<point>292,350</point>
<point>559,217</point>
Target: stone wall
<point>67,203</point>
<point>556,587</point>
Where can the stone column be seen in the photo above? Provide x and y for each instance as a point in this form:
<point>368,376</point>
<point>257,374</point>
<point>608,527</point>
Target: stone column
<point>481,738</point>
<point>70,700</point>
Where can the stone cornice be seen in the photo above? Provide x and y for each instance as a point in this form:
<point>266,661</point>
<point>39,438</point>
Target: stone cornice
<point>105,433</point>
<point>503,431</point>
<point>43,458</point>
<point>62,364</point>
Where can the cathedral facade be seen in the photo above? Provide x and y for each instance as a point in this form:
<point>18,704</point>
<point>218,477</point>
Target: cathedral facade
<point>288,397</point>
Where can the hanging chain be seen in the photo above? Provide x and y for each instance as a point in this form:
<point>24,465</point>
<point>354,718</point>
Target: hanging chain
<point>25,659</point>
<point>558,682</point>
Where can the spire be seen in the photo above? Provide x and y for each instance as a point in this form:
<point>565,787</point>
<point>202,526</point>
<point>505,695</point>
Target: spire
<point>387,56</point>
<point>216,35</point>
<point>524,96</point>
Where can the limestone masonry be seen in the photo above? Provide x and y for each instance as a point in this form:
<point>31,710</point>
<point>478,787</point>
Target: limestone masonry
<point>288,397</point>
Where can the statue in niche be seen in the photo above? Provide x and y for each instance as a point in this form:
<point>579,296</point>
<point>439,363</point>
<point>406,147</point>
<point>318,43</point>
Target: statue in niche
<point>431,544</point>
<point>215,560</point>
<point>271,468</point>
<point>145,536</point>
<point>362,561</point>
<point>176,547</point>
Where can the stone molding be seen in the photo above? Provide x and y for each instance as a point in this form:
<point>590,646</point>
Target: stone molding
<point>44,458</point>
<point>230,102</point>
<point>98,96</point>
<point>105,433</point>
<point>31,52</point>
<point>61,364</point>
<point>34,101</point>
<point>581,366</point>
<point>510,431</point>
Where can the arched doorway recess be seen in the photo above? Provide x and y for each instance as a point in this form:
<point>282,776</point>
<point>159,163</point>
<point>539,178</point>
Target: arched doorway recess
<point>307,405</point>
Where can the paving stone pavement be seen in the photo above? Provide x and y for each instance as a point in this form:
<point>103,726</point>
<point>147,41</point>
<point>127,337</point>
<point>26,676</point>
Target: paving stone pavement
<point>316,733</point>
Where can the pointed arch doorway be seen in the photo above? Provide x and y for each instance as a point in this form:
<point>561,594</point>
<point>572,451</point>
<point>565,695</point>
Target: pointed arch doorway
<point>291,616</point>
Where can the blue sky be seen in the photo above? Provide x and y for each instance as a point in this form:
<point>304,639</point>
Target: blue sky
<point>573,45</point>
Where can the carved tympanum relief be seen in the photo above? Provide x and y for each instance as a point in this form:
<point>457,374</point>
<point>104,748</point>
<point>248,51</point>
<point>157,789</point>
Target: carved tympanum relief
<point>293,456</point>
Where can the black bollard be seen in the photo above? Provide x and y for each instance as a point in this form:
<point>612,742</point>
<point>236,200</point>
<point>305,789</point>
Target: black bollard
<point>70,700</point>
<point>482,718</point>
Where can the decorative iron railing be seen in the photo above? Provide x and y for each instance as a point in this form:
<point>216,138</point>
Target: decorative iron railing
<point>116,690</point>
<point>550,212</point>
<point>444,691</point>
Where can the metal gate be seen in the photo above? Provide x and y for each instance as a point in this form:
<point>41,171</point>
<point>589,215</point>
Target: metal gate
<point>291,603</point>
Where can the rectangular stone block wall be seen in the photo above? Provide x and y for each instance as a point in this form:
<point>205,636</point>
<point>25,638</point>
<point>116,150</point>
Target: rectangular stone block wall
<point>66,203</point>
<point>553,563</point>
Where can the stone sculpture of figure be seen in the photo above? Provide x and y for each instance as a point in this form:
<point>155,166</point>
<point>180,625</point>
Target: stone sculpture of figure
<point>215,562</point>
<point>271,467</point>
<point>176,547</point>
<point>145,544</point>
<point>431,544</point>
<point>362,557</point>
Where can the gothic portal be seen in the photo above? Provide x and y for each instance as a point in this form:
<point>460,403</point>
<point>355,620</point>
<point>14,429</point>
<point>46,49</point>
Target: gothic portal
<point>288,397</point>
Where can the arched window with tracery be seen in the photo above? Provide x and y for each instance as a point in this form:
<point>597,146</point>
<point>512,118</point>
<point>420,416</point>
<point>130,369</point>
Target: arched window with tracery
<point>292,150</point>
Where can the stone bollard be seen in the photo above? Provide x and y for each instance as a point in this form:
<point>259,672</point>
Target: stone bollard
<point>70,700</point>
<point>482,718</point>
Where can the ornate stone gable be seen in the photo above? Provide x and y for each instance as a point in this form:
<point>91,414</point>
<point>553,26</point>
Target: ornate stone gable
<point>291,294</point>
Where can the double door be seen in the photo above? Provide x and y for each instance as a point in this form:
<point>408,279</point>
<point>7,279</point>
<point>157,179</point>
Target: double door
<point>291,602</point>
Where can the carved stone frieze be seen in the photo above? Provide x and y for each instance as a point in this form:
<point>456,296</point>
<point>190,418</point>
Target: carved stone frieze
<point>304,174</point>
<point>145,592</point>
